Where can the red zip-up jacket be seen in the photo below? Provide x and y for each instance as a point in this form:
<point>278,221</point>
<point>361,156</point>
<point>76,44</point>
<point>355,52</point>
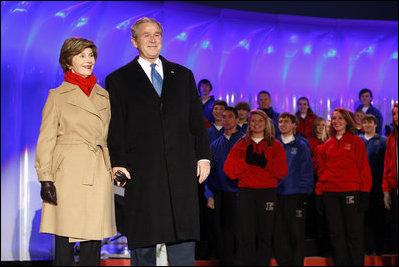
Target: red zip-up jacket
<point>314,144</point>
<point>252,176</point>
<point>305,125</point>
<point>389,179</point>
<point>343,165</point>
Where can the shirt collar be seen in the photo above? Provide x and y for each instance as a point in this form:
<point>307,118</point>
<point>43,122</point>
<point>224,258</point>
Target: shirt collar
<point>287,139</point>
<point>147,64</point>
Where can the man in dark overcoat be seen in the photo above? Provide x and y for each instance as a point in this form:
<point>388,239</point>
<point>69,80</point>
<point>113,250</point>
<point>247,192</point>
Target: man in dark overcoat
<point>157,136</point>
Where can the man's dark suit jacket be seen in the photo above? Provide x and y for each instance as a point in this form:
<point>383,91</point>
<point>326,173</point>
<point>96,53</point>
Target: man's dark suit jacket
<point>160,139</point>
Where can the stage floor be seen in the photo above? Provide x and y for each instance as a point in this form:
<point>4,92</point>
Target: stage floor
<point>384,260</point>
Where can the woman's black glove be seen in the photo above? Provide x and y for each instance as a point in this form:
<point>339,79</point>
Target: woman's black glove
<point>254,158</point>
<point>48,193</point>
<point>259,159</point>
<point>364,201</point>
<point>319,205</point>
<point>248,154</point>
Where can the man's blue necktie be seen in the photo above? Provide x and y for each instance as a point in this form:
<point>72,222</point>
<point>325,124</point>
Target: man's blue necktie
<point>156,79</point>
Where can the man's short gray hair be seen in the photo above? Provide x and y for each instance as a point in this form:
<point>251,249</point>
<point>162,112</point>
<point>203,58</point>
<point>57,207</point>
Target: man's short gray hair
<point>135,26</point>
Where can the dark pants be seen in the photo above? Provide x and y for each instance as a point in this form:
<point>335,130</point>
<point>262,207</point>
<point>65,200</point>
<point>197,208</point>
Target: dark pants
<point>226,225</point>
<point>179,254</point>
<point>89,255</point>
<point>374,219</point>
<point>256,209</point>
<point>206,247</point>
<point>289,231</point>
<point>345,223</point>
<point>391,225</point>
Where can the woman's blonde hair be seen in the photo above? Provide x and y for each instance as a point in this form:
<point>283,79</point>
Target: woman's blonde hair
<point>269,131</point>
<point>324,135</point>
<point>74,46</point>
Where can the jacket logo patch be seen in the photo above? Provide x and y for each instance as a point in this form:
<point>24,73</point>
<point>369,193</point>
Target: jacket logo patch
<point>347,146</point>
<point>269,206</point>
<point>299,213</point>
<point>350,199</point>
<point>294,150</point>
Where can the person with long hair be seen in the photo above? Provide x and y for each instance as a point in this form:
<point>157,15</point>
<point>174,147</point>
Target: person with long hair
<point>390,176</point>
<point>343,188</point>
<point>318,136</point>
<point>258,161</point>
<point>305,117</point>
<point>72,159</point>
<point>315,223</point>
<point>358,118</point>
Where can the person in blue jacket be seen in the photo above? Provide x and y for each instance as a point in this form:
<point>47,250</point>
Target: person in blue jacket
<point>216,128</point>
<point>206,247</point>
<point>243,110</point>
<point>374,216</point>
<point>292,193</point>
<point>366,97</point>
<point>221,192</point>
<point>264,103</point>
<point>207,100</point>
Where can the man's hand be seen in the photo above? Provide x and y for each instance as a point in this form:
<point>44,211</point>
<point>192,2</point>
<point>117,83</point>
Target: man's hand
<point>387,200</point>
<point>211,203</point>
<point>203,169</point>
<point>124,170</point>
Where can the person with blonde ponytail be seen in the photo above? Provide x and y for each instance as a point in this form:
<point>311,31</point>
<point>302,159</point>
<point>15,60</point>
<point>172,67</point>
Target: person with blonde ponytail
<point>257,161</point>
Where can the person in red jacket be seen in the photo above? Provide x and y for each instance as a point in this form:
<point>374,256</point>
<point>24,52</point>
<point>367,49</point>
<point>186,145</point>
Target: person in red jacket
<point>390,176</point>
<point>258,161</point>
<point>343,188</point>
<point>318,136</point>
<point>315,223</point>
<point>306,118</point>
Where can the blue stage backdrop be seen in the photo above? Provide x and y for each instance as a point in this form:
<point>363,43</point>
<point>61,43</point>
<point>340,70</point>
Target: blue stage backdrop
<point>241,53</point>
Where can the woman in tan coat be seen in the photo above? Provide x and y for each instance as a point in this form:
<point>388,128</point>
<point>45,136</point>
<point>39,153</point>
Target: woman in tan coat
<point>72,159</point>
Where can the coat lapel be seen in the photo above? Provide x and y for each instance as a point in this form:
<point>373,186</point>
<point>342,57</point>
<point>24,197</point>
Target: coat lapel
<point>100,101</point>
<point>79,99</point>
<point>136,68</point>
<point>168,76</point>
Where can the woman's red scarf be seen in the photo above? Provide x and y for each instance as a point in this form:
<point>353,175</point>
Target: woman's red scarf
<point>86,84</point>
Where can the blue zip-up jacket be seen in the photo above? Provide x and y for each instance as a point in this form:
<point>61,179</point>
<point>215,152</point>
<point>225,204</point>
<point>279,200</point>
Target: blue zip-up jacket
<point>243,128</point>
<point>217,179</point>
<point>372,110</point>
<point>213,133</point>
<point>274,116</point>
<point>207,109</point>
<point>300,178</point>
<point>376,148</point>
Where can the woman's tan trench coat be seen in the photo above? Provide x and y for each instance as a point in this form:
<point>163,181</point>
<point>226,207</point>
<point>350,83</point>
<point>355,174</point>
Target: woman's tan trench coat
<point>72,152</point>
